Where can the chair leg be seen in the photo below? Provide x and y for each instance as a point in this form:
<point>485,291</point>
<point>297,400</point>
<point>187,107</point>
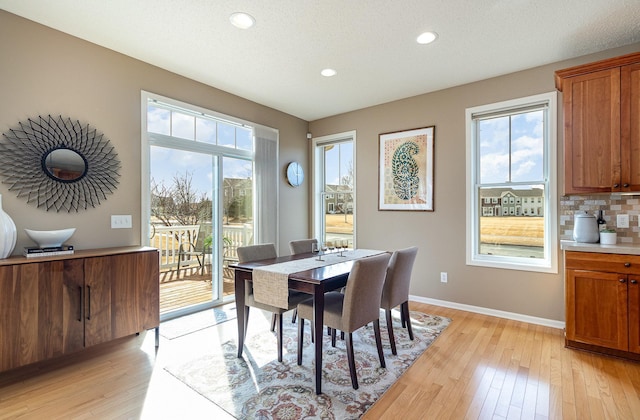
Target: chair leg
<point>402,320</point>
<point>376,330</point>
<point>279,322</point>
<point>273,322</point>
<point>351,361</point>
<point>294,316</point>
<point>405,309</point>
<point>392,339</point>
<point>333,337</point>
<point>300,335</point>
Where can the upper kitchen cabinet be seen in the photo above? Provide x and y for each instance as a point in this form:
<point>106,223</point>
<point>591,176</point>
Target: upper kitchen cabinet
<point>601,107</point>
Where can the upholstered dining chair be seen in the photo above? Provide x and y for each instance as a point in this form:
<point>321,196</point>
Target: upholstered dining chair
<point>396,290</point>
<point>262,252</point>
<point>359,305</point>
<point>301,246</point>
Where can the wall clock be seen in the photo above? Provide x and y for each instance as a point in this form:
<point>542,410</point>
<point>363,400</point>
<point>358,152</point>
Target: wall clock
<point>295,174</point>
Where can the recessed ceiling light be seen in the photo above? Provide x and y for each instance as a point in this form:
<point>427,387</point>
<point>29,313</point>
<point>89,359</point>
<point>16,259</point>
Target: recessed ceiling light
<point>427,38</point>
<point>242,20</point>
<point>328,72</point>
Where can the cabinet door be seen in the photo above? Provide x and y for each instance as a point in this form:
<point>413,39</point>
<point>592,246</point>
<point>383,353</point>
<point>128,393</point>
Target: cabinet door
<point>40,306</point>
<point>630,126</point>
<point>634,314</point>
<point>597,308</point>
<point>591,108</point>
<point>97,303</point>
<point>135,286</point>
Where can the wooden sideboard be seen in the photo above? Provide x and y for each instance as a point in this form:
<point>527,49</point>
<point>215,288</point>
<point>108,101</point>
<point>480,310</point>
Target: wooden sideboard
<point>51,306</point>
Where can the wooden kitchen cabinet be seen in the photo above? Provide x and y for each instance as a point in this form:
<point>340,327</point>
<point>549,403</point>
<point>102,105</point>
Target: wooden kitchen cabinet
<point>601,103</point>
<point>50,306</point>
<point>602,293</point>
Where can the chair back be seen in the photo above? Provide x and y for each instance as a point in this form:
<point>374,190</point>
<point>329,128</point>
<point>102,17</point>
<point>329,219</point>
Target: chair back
<point>301,246</point>
<point>363,291</point>
<point>396,284</point>
<point>256,252</point>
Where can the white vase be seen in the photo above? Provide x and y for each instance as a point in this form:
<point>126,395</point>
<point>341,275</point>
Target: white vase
<point>8,233</point>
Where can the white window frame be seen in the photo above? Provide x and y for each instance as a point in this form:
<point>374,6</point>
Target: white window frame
<point>548,264</point>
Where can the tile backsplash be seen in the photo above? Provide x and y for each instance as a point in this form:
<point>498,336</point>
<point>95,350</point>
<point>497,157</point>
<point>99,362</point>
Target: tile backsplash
<point>612,205</point>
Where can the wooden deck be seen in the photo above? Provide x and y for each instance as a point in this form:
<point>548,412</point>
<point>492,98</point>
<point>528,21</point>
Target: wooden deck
<point>189,287</point>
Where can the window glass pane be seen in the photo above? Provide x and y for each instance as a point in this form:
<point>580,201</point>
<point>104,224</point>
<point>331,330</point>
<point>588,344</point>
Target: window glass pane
<point>226,135</point>
<point>493,141</point>
<point>508,227</point>
<point>527,147</point>
<point>244,138</point>
<point>182,126</point>
<point>205,131</point>
<point>158,120</point>
<point>238,199</point>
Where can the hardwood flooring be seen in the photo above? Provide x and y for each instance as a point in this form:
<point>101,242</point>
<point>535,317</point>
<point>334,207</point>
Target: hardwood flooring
<point>481,367</point>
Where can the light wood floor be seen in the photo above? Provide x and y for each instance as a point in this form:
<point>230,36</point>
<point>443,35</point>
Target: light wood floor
<point>480,367</point>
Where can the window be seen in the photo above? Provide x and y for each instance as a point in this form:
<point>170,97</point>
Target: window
<point>511,154</point>
<point>334,187</point>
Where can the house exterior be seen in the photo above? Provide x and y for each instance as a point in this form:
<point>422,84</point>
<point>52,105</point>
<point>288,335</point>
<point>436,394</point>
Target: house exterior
<point>498,202</point>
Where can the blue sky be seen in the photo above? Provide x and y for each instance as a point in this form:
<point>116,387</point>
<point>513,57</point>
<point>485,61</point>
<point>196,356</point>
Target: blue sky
<point>526,142</point>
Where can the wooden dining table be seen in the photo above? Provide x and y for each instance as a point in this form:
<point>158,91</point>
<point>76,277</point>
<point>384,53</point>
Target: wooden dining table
<point>316,282</point>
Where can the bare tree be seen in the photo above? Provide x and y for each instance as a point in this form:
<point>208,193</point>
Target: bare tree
<point>180,203</point>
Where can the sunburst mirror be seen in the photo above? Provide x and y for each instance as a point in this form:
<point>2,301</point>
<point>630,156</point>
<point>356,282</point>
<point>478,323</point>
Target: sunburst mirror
<point>58,164</point>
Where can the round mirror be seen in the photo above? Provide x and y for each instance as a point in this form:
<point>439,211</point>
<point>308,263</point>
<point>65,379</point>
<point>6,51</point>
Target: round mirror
<point>64,165</point>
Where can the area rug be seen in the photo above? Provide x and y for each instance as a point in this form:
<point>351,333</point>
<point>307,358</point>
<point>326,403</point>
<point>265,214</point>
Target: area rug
<point>257,386</point>
<point>195,322</point>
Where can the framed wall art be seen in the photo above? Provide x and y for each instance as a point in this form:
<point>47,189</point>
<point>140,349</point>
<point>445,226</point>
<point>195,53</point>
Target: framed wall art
<point>406,170</point>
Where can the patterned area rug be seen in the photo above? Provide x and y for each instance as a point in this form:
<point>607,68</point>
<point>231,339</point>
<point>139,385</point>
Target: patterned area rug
<point>191,323</point>
<point>257,386</point>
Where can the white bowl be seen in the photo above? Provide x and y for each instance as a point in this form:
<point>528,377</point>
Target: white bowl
<point>50,238</point>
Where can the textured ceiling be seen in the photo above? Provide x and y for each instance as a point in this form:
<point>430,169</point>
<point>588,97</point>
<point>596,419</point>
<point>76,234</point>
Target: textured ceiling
<point>371,43</point>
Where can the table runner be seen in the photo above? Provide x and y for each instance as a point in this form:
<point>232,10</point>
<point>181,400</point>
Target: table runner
<point>271,283</point>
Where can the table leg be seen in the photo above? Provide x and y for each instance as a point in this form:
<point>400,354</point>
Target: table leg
<point>318,320</point>
<point>239,291</point>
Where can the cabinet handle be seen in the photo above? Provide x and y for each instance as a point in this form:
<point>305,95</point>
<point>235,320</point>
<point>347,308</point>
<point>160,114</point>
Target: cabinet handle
<point>625,185</point>
<point>627,265</point>
<point>622,280</point>
<point>616,185</point>
<point>88,302</point>
<point>634,281</point>
<point>80,303</point>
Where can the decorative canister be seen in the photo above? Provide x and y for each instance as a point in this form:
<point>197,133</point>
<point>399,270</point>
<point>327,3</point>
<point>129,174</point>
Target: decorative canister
<point>7,233</point>
<point>585,227</point>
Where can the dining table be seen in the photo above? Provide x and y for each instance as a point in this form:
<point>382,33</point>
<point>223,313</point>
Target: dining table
<point>330,275</point>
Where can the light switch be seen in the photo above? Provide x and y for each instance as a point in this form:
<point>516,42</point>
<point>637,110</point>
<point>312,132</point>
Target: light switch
<point>622,220</point>
<point>121,221</point>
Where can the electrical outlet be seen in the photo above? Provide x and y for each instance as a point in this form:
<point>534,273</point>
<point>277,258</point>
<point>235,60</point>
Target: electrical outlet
<point>622,220</point>
<point>119,221</point>
<point>443,277</point>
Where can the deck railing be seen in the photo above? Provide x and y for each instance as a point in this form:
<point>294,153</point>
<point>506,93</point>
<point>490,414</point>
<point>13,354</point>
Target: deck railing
<point>168,239</point>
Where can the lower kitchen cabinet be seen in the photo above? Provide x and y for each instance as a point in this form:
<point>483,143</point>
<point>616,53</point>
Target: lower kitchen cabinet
<point>50,306</point>
<point>603,302</point>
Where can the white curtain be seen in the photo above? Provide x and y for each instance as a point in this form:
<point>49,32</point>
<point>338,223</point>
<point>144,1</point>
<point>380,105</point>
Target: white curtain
<point>266,185</point>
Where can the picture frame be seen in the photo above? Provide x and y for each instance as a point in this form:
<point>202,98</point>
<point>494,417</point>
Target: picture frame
<point>406,170</point>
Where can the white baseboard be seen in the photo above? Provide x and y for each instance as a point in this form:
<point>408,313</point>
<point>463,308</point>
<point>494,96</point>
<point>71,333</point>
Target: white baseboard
<point>493,312</point>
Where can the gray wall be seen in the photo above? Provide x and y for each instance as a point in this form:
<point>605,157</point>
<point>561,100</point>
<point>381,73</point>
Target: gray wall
<point>44,71</point>
<point>440,235</point>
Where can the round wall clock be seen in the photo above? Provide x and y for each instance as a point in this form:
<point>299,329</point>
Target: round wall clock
<point>295,174</point>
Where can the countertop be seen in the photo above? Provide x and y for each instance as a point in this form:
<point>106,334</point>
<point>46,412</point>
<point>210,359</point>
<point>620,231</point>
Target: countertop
<point>630,249</point>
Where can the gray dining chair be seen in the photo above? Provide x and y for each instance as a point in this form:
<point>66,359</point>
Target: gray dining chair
<point>300,246</point>
<point>263,252</point>
<point>396,290</point>
<point>359,305</point>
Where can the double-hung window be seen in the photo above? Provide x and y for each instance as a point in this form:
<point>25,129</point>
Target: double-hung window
<point>511,184</point>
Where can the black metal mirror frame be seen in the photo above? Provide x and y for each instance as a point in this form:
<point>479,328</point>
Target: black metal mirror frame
<point>23,152</point>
